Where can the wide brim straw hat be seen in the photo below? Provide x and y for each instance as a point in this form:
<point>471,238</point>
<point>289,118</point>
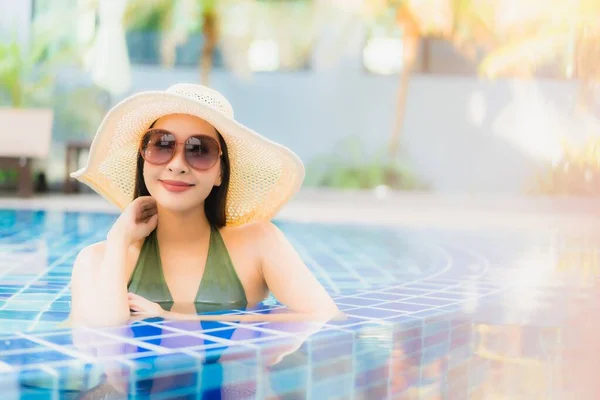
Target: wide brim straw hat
<point>264,174</point>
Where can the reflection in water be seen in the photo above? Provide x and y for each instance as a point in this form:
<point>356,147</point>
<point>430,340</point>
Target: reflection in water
<point>185,357</point>
<point>25,258</point>
<point>440,357</point>
<point>579,257</point>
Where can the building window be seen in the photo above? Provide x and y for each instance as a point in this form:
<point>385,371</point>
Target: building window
<point>383,51</point>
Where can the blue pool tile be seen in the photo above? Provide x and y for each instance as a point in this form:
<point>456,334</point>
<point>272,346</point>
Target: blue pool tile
<point>138,331</point>
<point>57,316</point>
<point>176,341</point>
<point>195,326</point>
<point>372,313</point>
<point>403,318</point>
<point>403,307</point>
<point>165,365</point>
<point>17,315</point>
<point>114,350</point>
<point>357,301</point>
<point>33,357</point>
<point>347,322</point>
<point>405,291</point>
<point>341,347</point>
<point>385,296</point>
<point>437,338</point>
<point>446,296</point>
<point>237,334</point>
<point>62,306</point>
<point>430,301</point>
<point>344,307</point>
<point>12,344</point>
<point>64,339</point>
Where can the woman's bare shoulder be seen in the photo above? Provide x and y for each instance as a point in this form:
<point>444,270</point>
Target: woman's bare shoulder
<point>92,255</point>
<point>252,233</point>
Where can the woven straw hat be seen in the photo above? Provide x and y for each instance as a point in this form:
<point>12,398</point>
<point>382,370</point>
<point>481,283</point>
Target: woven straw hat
<point>264,174</point>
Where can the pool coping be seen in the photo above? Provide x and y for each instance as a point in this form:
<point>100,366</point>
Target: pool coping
<point>406,209</point>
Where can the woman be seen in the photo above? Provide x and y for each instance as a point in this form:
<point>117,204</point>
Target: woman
<point>197,190</point>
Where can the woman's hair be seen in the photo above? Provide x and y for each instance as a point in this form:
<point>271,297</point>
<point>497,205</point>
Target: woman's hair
<point>214,205</point>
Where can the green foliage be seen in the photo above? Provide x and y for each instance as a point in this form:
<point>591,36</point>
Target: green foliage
<point>166,15</point>
<point>8,177</point>
<point>28,73</point>
<point>351,168</point>
<point>148,15</point>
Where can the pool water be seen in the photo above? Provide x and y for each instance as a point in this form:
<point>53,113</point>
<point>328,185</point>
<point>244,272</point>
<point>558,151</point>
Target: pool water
<point>430,314</point>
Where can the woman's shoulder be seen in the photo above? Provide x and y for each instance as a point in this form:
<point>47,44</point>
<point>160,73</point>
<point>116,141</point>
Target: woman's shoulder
<point>95,250</point>
<point>253,231</point>
<point>93,254</point>
<point>259,234</point>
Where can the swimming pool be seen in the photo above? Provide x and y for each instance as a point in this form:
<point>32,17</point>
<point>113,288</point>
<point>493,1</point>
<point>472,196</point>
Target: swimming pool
<point>430,314</point>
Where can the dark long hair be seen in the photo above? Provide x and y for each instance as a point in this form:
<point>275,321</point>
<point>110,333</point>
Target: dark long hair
<point>214,205</point>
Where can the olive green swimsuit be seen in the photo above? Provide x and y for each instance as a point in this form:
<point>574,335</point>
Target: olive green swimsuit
<point>219,289</point>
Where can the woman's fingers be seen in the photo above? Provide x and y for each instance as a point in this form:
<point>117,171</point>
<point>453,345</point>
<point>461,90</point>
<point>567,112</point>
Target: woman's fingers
<point>146,201</point>
<point>149,209</point>
<point>136,301</point>
<point>139,303</point>
<point>138,308</point>
<point>146,214</point>
<point>153,220</point>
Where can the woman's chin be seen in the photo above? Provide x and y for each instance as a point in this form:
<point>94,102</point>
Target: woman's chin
<point>178,202</point>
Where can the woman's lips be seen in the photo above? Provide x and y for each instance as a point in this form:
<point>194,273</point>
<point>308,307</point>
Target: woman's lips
<point>176,186</point>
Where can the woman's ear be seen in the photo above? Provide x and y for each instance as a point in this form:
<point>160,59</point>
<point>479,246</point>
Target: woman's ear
<point>219,178</point>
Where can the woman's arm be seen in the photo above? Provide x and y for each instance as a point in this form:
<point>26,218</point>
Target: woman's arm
<point>100,273</point>
<point>282,316</point>
<point>99,285</point>
<point>289,279</point>
<point>144,308</point>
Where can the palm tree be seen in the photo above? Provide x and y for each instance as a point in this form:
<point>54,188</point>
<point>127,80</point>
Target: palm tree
<point>234,25</point>
<point>461,22</point>
<point>176,20</point>
<point>517,36</point>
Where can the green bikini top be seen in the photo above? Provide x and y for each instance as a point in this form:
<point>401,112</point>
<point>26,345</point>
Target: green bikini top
<point>219,289</point>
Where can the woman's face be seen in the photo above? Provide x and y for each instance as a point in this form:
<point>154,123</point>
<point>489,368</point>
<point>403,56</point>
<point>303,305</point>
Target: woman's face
<point>162,180</point>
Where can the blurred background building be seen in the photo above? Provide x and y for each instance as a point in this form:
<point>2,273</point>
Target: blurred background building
<point>447,96</point>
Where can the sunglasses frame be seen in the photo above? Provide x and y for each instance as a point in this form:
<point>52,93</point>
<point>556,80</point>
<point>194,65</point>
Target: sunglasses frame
<point>201,136</point>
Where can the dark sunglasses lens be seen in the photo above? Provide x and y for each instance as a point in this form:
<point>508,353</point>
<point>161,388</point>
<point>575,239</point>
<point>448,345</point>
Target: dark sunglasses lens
<point>201,152</point>
<point>158,146</point>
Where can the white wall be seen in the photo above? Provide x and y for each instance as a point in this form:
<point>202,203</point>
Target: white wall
<point>461,133</point>
<point>468,135</point>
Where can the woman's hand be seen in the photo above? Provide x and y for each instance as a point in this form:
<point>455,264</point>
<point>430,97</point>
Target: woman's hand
<point>141,305</point>
<point>136,222</point>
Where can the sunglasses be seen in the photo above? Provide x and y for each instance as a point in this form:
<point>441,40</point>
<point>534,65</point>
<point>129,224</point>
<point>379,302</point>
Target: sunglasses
<point>201,151</point>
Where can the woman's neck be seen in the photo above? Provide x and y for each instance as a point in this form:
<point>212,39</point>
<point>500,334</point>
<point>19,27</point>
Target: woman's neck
<point>182,227</point>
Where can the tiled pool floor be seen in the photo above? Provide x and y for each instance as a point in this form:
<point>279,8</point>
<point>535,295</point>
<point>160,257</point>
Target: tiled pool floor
<point>430,314</point>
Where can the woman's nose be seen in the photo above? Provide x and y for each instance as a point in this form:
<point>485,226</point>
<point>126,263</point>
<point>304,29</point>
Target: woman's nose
<point>178,164</point>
